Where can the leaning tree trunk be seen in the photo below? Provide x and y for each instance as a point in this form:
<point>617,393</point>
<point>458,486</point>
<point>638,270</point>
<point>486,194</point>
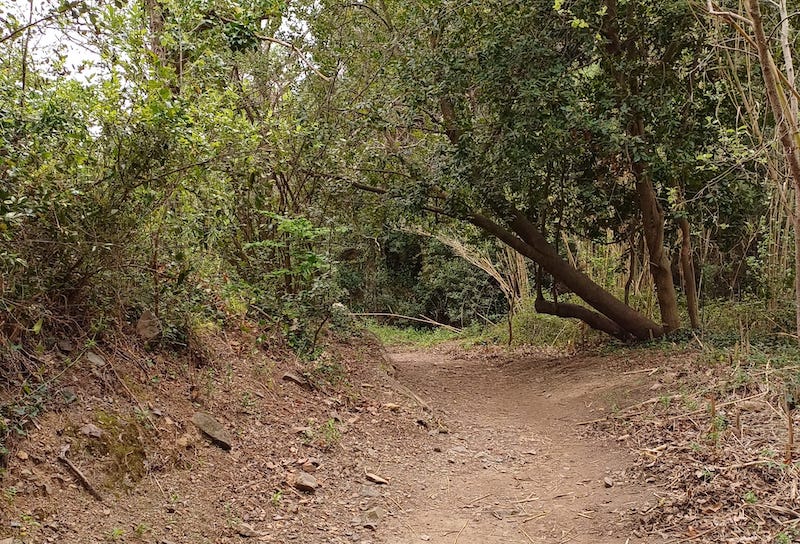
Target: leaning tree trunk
<point>611,316</point>
<point>660,264</point>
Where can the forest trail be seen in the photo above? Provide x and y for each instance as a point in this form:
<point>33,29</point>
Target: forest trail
<point>479,446</point>
<point>514,465</point>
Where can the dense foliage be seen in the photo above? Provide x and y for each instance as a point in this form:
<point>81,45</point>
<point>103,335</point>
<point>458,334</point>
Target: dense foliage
<point>208,159</point>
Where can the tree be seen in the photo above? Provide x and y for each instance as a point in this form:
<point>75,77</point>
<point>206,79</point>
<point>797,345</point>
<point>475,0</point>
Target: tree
<point>525,134</point>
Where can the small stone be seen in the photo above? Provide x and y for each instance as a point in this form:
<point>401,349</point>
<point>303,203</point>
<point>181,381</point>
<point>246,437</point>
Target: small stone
<point>95,359</point>
<point>68,395</point>
<point>148,326</point>
<point>608,482</point>
<point>65,345</point>
<point>374,478</point>
<point>669,377</point>
<point>184,441</point>
<point>392,407</point>
<point>294,377</point>
<point>424,537</point>
<point>370,491</point>
<point>213,429</point>
<point>22,455</point>
<point>248,531</point>
<point>372,517</point>
<point>305,482</point>
<point>92,430</point>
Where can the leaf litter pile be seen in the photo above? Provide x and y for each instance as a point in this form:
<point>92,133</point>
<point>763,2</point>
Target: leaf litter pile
<point>720,445</point>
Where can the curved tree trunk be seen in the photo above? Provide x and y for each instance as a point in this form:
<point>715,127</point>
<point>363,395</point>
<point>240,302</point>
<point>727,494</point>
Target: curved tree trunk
<point>660,264</point>
<point>612,315</point>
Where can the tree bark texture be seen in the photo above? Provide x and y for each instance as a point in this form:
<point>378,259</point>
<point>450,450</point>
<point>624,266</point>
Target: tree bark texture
<point>612,315</point>
<point>687,267</point>
<point>649,206</point>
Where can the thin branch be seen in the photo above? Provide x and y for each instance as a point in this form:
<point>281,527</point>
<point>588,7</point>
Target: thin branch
<point>381,191</point>
<point>371,10</point>
<point>297,50</point>
<point>14,33</point>
<point>731,18</point>
<point>714,10</point>
<point>424,319</point>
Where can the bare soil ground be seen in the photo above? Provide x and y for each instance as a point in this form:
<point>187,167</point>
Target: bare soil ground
<point>482,446</point>
<point>514,465</point>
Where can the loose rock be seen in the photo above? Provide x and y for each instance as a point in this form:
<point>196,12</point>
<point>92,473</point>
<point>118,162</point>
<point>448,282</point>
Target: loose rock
<point>294,377</point>
<point>92,430</point>
<point>305,482</point>
<point>184,441</point>
<point>148,326</point>
<point>608,482</point>
<point>372,517</point>
<point>95,359</point>
<point>248,531</point>
<point>370,491</point>
<point>68,395</point>
<point>375,478</point>
<point>213,429</point>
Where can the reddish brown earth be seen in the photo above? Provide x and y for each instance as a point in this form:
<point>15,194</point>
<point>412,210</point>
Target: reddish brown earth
<point>477,447</point>
<point>515,465</point>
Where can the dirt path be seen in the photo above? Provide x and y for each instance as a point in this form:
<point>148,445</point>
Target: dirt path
<point>513,466</point>
<point>496,457</point>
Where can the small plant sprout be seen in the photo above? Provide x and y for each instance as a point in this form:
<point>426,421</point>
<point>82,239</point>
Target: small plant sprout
<point>115,534</point>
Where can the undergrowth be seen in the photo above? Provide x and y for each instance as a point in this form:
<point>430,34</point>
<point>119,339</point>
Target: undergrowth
<point>413,336</point>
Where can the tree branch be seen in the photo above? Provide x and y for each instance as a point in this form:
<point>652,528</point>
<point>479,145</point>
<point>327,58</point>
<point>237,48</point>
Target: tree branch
<point>297,50</point>
<point>52,15</point>
<point>594,319</point>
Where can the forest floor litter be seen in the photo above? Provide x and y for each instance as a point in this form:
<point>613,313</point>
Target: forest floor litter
<point>444,445</point>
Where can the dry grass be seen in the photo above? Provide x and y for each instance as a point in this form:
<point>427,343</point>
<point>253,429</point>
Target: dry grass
<point>719,447</point>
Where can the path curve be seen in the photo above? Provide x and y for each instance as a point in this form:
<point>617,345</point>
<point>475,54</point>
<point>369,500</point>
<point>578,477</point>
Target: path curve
<point>513,465</point>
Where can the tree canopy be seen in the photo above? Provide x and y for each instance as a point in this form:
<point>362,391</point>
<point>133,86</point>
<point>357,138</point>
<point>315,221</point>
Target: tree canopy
<point>162,154</point>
